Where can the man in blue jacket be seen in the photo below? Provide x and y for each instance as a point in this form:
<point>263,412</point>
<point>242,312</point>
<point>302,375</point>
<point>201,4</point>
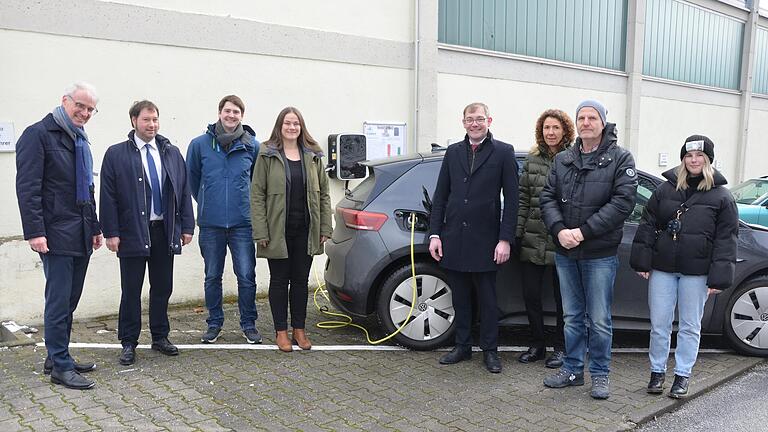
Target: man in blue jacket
<point>220,165</point>
<point>54,186</point>
<point>147,218</point>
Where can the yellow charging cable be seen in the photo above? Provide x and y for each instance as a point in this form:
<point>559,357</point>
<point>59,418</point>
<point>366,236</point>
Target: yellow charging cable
<point>333,324</point>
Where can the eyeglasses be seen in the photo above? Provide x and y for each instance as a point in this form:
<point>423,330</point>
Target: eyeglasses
<point>469,120</point>
<point>83,107</point>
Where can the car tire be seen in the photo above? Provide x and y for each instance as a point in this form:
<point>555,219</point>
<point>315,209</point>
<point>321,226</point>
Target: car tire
<point>431,324</point>
<point>746,318</point>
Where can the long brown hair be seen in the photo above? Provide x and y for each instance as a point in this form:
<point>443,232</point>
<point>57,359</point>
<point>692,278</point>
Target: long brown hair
<point>568,130</point>
<point>305,139</point>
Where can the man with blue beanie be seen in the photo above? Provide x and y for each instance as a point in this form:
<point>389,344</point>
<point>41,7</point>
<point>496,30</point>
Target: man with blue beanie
<point>590,191</point>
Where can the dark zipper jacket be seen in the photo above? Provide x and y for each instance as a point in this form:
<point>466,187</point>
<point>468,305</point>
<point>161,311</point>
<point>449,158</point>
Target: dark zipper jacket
<point>45,188</point>
<point>536,246</point>
<point>596,197</point>
<point>707,241</point>
<point>125,205</point>
<point>220,181</point>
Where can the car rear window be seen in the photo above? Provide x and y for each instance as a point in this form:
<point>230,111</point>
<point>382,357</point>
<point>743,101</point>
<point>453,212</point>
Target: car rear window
<point>361,192</point>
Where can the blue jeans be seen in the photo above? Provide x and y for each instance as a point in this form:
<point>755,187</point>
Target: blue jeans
<point>64,279</point>
<point>689,293</point>
<point>587,289</point>
<point>213,246</point>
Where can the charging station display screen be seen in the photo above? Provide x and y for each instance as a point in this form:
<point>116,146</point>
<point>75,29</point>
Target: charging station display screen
<point>351,151</point>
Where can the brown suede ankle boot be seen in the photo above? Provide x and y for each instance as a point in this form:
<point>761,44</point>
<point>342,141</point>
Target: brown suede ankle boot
<point>283,343</point>
<point>300,339</point>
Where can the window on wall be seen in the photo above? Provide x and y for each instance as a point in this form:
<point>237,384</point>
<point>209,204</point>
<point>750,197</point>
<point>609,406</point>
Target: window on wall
<point>760,77</point>
<point>586,32</point>
<point>684,42</point>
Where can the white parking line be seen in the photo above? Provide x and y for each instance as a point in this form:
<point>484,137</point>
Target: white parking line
<point>264,347</point>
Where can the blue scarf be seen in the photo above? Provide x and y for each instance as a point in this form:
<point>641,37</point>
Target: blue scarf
<point>83,156</point>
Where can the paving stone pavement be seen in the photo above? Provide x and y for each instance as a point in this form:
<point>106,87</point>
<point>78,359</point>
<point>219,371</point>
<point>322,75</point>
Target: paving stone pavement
<point>264,389</point>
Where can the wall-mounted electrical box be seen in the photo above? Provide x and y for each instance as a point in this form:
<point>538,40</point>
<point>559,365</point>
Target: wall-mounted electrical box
<point>346,151</point>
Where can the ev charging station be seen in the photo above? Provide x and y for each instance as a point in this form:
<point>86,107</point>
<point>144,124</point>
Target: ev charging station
<point>345,152</point>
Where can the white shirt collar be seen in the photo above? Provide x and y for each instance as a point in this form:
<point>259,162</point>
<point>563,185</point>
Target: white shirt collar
<point>140,143</point>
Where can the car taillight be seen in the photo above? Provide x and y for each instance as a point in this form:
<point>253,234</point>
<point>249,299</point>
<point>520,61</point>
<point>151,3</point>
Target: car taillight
<point>362,220</point>
<point>344,296</point>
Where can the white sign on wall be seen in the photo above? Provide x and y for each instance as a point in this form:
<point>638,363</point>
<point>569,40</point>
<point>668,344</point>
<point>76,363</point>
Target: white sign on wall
<point>7,137</point>
<point>384,139</point>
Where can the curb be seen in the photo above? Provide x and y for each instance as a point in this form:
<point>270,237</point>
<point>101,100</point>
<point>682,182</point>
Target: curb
<point>653,411</point>
<point>9,339</point>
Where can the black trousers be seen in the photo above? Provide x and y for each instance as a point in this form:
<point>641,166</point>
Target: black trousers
<point>484,285</point>
<point>533,281</point>
<point>132,269</point>
<point>291,272</point>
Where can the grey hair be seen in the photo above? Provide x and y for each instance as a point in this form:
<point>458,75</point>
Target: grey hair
<point>82,85</point>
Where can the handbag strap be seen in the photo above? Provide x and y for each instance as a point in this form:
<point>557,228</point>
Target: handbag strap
<point>690,201</point>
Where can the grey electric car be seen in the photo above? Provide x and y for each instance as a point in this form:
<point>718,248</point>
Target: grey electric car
<point>368,269</point>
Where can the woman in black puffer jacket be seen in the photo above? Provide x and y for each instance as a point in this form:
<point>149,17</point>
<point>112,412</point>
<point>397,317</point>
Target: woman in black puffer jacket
<point>686,245</point>
<point>554,133</point>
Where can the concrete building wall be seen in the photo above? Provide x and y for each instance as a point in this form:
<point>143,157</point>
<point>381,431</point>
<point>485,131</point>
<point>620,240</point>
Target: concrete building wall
<point>757,148</point>
<point>341,62</point>
<point>515,105</point>
<point>665,123</point>
<point>338,82</point>
<point>380,19</point>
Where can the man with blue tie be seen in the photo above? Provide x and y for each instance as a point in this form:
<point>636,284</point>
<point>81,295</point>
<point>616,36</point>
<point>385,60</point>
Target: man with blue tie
<point>147,218</point>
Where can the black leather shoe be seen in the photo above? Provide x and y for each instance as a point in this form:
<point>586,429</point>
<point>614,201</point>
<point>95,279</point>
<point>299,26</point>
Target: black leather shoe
<point>79,367</point>
<point>555,361</point>
<point>165,347</point>
<point>533,354</point>
<point>128,356</point>
<point>492,362</point>
<point>679,387</point>
<point>456,355</point>
<point>656,383</point>
<point>71,379</point>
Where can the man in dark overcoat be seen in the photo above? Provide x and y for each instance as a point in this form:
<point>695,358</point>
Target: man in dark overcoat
<point>470,234</point>
<point>147,218</point>
<point>54,186</point>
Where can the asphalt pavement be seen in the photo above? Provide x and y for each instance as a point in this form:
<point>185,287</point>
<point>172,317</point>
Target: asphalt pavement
<point>736,406</point>
<point>342,384</point>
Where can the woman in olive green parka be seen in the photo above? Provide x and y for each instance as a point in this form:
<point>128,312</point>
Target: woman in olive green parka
<point>554,133</point>
<point>291,217</point>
